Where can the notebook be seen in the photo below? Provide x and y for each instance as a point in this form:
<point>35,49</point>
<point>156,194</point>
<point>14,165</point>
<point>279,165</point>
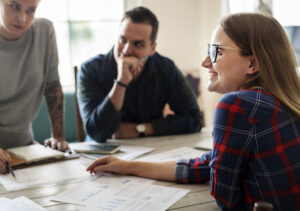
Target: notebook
<point>36,153</point>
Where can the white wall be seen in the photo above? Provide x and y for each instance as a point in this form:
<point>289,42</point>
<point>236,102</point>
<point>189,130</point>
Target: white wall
<point>177,35</point>
<point>185,30</point>
<point>211,11</point>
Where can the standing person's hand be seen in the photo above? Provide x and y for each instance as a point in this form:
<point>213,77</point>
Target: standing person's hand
<point>4,157</point>
<point>55,143</point>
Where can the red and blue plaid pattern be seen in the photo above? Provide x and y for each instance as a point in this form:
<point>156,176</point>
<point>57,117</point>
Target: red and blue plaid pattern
<point>256,153</point>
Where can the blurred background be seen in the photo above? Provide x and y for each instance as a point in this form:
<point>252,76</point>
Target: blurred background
<point>87,28</point>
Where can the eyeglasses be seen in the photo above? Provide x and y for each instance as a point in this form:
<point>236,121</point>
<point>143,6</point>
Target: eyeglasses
<point>213,50</point>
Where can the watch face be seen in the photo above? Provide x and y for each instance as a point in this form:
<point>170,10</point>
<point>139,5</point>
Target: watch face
<point>141,128</point>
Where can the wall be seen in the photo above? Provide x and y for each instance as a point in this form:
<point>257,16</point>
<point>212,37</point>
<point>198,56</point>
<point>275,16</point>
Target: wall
<point>211,11</point>
<point>177,35</point>
<point>185,30</point>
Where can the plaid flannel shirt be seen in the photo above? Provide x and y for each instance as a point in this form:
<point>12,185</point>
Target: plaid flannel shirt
<point>256,154</point>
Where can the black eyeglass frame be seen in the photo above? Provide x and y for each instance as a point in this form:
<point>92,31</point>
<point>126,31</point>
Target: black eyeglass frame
<point>213,58</point>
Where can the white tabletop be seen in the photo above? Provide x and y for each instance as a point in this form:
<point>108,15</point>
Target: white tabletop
<point>197,199</point>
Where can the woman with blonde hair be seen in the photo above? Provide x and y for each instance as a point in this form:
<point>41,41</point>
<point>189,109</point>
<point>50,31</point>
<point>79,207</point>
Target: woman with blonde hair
<point>256,130</point>
<point>273,53</point>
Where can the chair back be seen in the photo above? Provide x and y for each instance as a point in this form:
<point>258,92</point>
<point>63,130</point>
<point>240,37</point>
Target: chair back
<point>79,124</point>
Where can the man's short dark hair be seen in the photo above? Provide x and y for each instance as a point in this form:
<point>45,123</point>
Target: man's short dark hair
<point>143,15</point>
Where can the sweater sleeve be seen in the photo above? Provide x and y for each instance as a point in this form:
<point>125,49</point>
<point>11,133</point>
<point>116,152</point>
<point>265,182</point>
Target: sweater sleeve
<point>97,111</point>
<point>187,118</point>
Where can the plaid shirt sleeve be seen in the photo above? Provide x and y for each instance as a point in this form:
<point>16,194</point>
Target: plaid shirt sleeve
<point>194,170</point>
<point>97,111</point>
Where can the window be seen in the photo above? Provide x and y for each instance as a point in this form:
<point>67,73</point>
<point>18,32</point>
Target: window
<point>83,30</point>
<point>286,12</point>
<point>236,6</point>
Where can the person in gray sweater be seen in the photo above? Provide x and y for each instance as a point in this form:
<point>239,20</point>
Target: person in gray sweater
<point>29,71</point>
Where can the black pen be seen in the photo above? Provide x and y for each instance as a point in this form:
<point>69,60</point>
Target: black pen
<point>10,170</point>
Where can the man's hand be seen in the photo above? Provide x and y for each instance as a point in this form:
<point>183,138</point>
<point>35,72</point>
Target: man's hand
<point>109,164</point>
<point>126,130</point>
<point>4,157</point>
<point>59,144</point>
<point>129,68</point>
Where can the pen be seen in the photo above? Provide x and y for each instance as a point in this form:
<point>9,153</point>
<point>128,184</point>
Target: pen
<point>10,170</point>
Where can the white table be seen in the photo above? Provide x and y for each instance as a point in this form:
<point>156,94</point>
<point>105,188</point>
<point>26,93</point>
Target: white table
<point>197,199</point>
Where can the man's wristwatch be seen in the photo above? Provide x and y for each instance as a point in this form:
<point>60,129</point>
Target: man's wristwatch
<point>141,128</point>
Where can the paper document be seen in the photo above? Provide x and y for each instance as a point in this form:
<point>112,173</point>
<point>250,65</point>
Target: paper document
<point>205,144</point>
<point>128,152</point>
<point>97,187</point>
<point>20,203</point>
<point>45,174</point>
<point>175,154</point>
<point>136,197</point>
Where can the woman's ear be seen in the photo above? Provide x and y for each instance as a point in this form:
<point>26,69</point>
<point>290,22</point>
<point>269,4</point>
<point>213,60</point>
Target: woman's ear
<point>253,67</point>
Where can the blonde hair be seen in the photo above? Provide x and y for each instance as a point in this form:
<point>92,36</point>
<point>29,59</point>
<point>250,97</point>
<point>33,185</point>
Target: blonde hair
<point>264,38</point>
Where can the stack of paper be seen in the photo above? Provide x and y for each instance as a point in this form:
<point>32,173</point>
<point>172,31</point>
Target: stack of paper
<point>45,174</point>
<point>97,187</point>
<point>133,197</point>
<point>174,154</point>
<point>120,193</point>
<point>17,204</point>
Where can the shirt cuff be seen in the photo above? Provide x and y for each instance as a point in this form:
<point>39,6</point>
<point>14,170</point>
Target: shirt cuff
<point>182,170</point>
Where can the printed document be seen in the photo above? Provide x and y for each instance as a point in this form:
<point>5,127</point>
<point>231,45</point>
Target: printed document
<point>175,154</point>
<point>45,174</point>
<point>20,203</point>
<point>136,197</point>
<point>97,187</point>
